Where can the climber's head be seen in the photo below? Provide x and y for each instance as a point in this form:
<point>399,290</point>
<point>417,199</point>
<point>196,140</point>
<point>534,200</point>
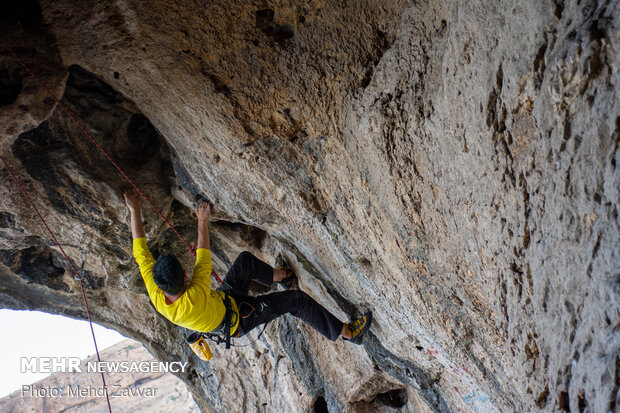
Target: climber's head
<point>168,274</point>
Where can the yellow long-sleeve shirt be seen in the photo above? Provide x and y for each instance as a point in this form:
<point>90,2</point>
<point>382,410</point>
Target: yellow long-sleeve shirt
<point>199,308</point>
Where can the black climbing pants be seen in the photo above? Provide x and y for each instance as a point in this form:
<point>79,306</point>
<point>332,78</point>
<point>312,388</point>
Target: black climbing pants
<point>254,311</point>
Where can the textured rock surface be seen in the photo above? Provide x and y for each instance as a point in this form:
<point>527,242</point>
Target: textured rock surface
<point>450,166</point>
<point>162,392</point>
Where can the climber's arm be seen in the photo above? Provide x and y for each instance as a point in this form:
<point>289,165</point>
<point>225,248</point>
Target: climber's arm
<point>140,250</point>
<point>134,202</point>
<point>202,268</point>
<point>137,230</point>
<point>203,212</point>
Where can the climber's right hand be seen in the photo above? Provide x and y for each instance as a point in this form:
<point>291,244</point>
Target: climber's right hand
<point>203,212</point>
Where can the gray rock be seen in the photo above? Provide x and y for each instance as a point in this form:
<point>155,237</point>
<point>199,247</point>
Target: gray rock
<point>450,166</point>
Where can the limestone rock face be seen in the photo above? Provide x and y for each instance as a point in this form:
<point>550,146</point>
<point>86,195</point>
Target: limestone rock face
<point>451,166</point>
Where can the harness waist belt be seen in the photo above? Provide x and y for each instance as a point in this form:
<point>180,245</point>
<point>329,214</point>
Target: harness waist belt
<point>226,323</point>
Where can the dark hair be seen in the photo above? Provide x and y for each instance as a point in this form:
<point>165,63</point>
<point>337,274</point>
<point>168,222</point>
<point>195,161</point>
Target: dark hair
<point>168,274</point>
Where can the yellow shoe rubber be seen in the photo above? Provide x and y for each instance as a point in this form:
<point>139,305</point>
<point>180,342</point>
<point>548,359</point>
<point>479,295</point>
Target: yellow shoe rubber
<point>358,328</point>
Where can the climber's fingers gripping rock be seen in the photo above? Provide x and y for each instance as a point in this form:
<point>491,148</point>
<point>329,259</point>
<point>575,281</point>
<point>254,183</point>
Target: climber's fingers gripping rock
<point>133,200</point>
<point>203,211</point>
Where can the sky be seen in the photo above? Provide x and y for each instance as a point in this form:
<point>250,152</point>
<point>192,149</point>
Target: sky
<point>37,334</point>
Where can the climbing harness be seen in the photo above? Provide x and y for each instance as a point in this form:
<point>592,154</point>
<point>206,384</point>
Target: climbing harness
<point>221,334</point>
<point>218,339</point>
<point>227,319</point>
<point>198,343</point>
<point>250,313</point>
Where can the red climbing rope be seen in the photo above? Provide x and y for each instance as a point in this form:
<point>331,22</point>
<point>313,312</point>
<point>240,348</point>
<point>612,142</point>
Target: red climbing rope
<point>118,168</point>
<point>92,331</point>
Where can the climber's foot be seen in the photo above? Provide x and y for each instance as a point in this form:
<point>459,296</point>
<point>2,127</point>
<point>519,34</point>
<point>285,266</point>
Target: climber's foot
<point>288,281</point>
<point>358,328</point>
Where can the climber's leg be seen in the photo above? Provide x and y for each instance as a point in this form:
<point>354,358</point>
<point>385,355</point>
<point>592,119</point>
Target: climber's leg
<point>245,269</point>
<point>254,311</point>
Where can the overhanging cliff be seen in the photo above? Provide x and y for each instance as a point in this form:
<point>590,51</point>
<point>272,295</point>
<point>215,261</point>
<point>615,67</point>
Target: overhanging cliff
<point>451,166</point>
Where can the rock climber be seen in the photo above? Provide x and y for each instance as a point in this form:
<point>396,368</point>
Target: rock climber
<point>191,303</point>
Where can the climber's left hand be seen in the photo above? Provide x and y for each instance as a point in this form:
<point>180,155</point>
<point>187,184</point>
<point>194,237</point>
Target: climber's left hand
<point>133,200</point>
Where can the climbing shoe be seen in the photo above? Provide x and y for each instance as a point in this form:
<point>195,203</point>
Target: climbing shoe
<point>358,328</point>
<point>288,281</point>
